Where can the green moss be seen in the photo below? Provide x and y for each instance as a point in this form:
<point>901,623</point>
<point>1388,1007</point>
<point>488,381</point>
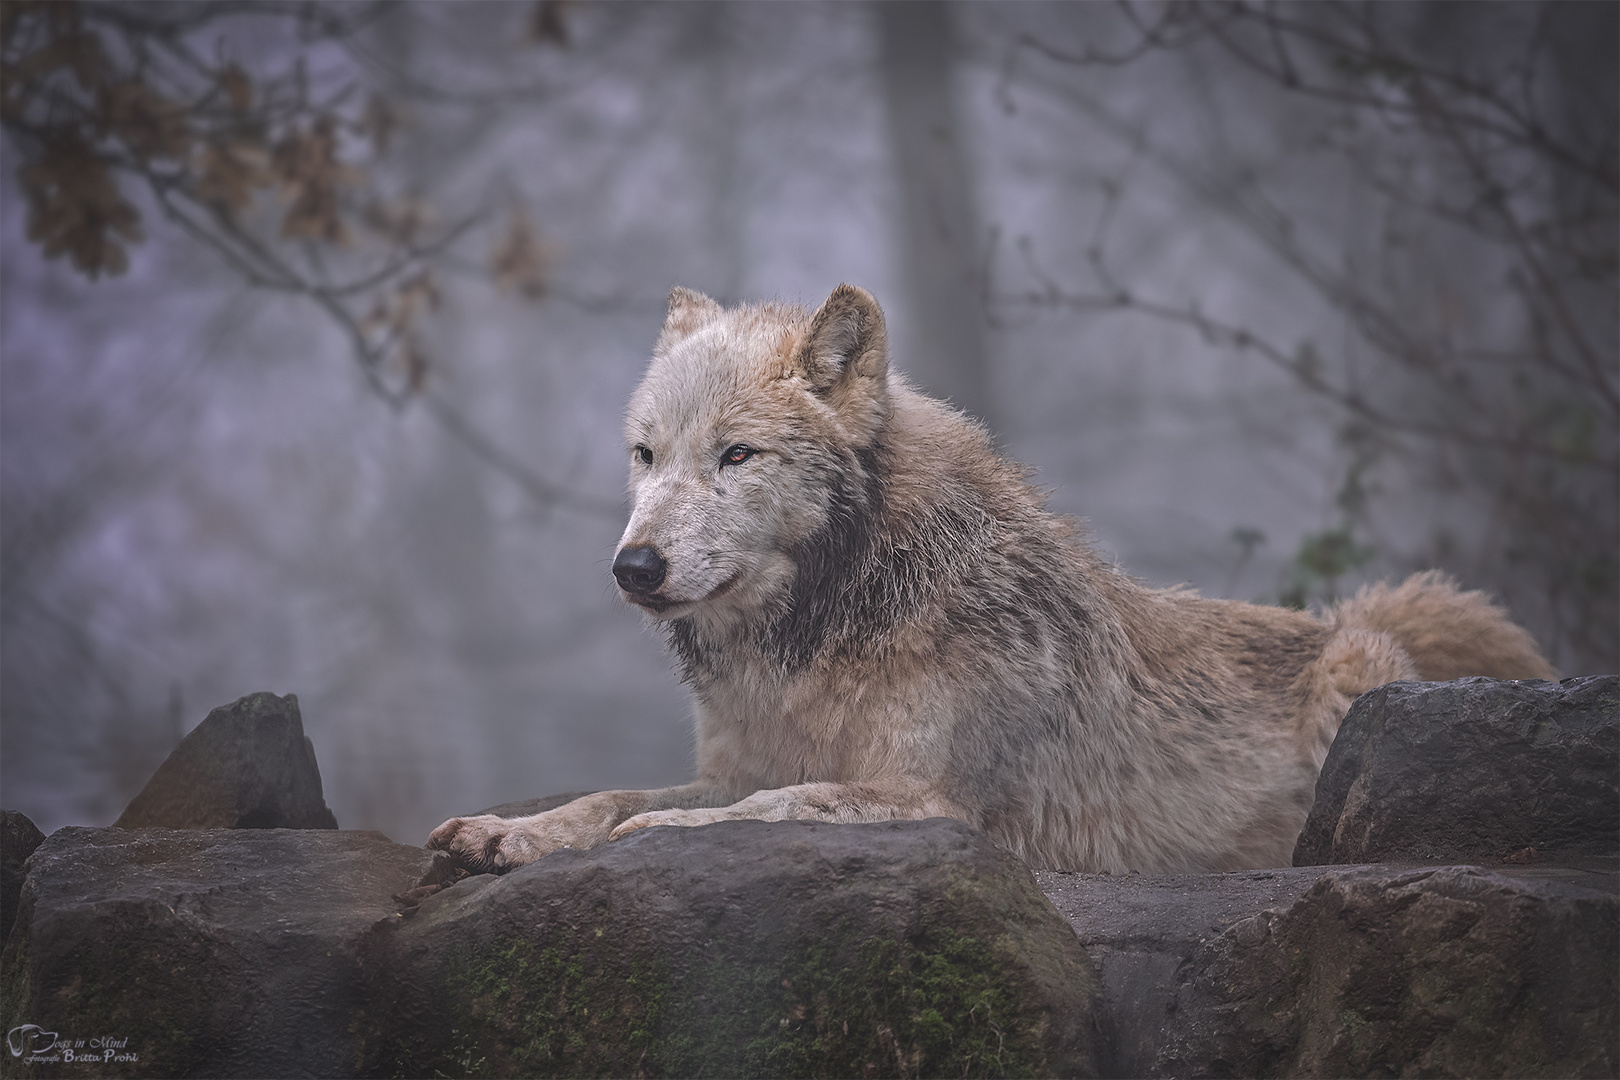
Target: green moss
<point>520,1007</point>
<point>937,1004</point>
<point>928,1003</point>
<point>148,992</point>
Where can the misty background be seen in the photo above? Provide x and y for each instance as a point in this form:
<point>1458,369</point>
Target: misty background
<point>316,324</point>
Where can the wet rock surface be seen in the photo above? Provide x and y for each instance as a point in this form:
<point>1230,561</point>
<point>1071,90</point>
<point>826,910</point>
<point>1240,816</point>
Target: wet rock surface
<point>248,765</point>
<point>1323,969</point>
<point>902,949</point>
<point>748,949</point>
<point>18,838</point>
<point>1142,931</point>
<point>1471,770</point>
<point>744,948</point>
<point>1353,971</point>
<point>1449,971</point>
<point>203,952</point>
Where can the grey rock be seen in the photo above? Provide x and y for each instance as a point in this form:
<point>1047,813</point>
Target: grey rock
<point>745,948</point>
<point>209,952</point>
<point>1449,971</point>
<point>906,948</point>
<point>1190,986</point>
<point>1471,770</point>
<point>18,838</point>
<point>742,948</point>
<point>248,765</point>
<point>1142,931</point>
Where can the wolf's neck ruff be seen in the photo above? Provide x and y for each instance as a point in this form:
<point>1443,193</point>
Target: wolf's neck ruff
<point>834,602</point>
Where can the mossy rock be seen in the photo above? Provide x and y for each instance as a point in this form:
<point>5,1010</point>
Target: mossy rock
<point>229,952</point>
<point>742,949</point>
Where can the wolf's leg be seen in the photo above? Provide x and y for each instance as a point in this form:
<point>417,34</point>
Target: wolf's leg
<point>875,800</point>
<point>490,844</point>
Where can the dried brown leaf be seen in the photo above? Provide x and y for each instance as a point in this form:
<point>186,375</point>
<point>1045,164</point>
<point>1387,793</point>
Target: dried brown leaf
<point>228,173</point>
<point>237,86</point>
<point>401,220</point>
<point>74,207</point>
<point>417,293</point>
<point>520,261</point>
<point>144,121</point>
<point>314,215</point>
<point>307,165</point>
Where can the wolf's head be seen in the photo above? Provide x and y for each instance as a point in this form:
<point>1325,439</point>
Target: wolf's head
<point>745,438</point>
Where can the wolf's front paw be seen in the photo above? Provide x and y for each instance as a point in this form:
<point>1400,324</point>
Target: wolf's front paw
<point>488,844</point>
<point>666,817</point>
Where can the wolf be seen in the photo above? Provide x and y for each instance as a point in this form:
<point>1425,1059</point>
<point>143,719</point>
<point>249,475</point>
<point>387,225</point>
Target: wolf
<point>879,619</point>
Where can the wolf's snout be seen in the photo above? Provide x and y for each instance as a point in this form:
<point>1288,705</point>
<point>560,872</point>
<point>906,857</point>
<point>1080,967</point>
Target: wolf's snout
<point>639,568</point>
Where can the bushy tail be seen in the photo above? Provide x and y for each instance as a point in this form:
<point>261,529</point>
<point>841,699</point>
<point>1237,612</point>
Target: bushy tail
<point>1448,633</point>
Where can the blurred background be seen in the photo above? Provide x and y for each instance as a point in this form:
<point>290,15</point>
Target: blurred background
<point>316,324</point>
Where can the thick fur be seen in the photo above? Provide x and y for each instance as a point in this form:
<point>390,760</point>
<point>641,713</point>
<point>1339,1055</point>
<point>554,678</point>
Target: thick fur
<point>879,619</point>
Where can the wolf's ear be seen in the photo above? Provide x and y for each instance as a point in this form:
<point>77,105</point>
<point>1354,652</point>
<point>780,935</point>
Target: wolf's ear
<point>845,352</point>
<point>688,310</point>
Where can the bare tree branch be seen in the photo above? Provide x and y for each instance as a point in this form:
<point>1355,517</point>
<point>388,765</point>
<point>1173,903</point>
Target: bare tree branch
<point>122,88</point>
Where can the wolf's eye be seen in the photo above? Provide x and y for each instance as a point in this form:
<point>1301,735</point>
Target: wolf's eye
<point>736,455</point>
<point>644,455</point>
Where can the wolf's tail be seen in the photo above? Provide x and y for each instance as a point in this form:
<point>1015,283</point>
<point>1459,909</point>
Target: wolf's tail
<point>1447,633</point>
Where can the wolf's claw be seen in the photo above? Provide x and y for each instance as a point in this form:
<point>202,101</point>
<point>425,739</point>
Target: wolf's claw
<point>486,844</point>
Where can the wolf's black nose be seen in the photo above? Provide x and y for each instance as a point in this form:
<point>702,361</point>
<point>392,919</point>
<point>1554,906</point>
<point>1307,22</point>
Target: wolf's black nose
<point>639,568</point>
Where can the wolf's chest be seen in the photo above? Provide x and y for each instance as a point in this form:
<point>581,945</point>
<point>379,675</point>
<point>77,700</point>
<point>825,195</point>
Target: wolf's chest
<point>841,725</point>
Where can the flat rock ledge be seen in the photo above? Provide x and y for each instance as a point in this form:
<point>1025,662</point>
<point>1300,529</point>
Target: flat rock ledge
<point>739,949</point>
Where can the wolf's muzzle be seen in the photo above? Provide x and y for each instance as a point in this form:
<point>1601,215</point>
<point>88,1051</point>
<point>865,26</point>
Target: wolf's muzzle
<point>640,569</point>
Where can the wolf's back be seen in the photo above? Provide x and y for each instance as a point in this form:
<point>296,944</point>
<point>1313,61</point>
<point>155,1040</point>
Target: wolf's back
<point>1448,633</point>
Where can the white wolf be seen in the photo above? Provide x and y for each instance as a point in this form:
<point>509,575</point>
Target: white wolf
<point>879,619</point>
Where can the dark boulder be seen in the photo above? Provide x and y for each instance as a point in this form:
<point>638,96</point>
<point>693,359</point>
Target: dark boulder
<point>792,948</point>
<point>201,952</point>
<point>1451,971</point>
<point>1371,971</point>
<point>789,948</point>
<point>249,765</point>
<point>745,949</point>
<point>1471,770</point>
<point>18,838</point>
<point>1141,932</point>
